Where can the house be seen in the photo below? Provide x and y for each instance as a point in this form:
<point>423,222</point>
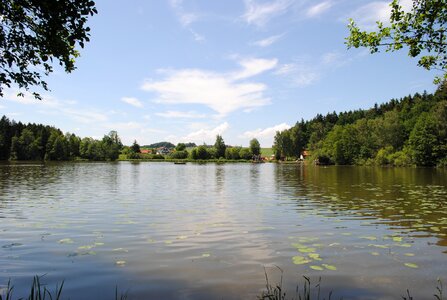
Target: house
<point>163,150</point>
<point>145,151</point>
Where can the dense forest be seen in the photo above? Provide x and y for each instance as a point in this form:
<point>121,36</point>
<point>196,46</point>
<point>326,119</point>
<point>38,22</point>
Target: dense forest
<point>408,131</point>
<point>20,141</point>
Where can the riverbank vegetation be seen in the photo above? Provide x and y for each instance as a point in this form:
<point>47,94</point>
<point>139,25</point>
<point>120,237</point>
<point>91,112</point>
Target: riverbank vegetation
<point>402,132</point>
<point>20,141</point>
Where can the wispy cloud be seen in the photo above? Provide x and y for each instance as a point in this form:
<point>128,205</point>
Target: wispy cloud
<point>367,15</point>
<point>318,9</point>
<point>222,92</point>
<point>181,114</point>
<point>306,71</point>
<point>254,66</point>
<point>266,135</point>
<point>186,18</point>
<point>132,101</point>
<point>51,105</point>
<point>268,41</point>
<point>260,14</point>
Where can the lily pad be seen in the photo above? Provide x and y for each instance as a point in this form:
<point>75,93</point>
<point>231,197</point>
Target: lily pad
<point>314,256</point>
<point>409,254</point>
<point>330,267</point>
<point>65,241</point>
<point>397,238</point>
<point>317,268</point>
<point>300,260</point>
<point>206,255</point>
<point>306,250</point>
<point>375,253</point>
<point>411,265</point>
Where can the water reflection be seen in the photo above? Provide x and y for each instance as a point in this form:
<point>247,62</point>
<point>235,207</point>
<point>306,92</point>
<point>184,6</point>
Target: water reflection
<point>204,231</point>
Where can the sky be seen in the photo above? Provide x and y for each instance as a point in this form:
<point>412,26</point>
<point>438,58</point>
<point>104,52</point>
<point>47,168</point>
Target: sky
<point>188,70</point>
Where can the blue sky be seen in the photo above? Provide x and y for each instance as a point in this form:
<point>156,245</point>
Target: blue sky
<point>187,70</point>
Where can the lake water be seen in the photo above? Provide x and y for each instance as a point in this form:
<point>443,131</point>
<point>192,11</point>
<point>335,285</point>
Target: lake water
<point>165,231</point>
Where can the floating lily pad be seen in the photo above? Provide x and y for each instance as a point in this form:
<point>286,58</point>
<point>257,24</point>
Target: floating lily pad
<point>411,265</point>
<point>397,238</point>
<point>409,254</point>
<point>99,244</point>
<point>404,245</point>
<point>206,255</point>
<point>66,241</point>
<point>300,260</point>
<point>317,268</point>
<point>314,256</point>
<point>86,247</point>
<point>306,250</point>
<point>378,246</point>
<point>330,267</point>
<point>375,253</point>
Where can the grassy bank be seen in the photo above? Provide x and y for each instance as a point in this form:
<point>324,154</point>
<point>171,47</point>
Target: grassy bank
<point>305,291</point>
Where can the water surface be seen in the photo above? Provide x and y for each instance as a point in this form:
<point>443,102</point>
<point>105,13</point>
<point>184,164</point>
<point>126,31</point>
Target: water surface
<point>194,231</point>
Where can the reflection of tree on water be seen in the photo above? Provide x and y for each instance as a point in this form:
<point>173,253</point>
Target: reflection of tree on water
<point>410,198</point>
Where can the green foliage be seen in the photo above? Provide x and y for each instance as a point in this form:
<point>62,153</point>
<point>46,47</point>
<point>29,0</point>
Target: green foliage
<point>135,148</point>
<point>422,31</point>
<point>180,147</point>
<point>220,147</point>
<point>35,33</point>
<point>39,142</point>
<point>245,153</point>
<point>424,142</point>
<point>182,154</point>
<point>202,152</point>
<point>255,147</point>
<point>412,130</point>
<point>232,153</point>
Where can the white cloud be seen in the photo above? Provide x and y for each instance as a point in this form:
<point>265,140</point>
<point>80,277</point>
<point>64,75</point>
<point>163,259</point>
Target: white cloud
<point>266,135</point>
<point>260,13</point>
<point>307,71</point>
<point>221,92</point>
<point>367,15</point>
<point>254,66</point>
<point>56,107</point>
<point>268,41</point>
<point>205,135</point>
<point>181,114</point>
<point>319,9</point>
<point>132,101</point>
<point>197,37</point>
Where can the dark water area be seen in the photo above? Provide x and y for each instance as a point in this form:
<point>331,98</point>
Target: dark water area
<point>159,230</point>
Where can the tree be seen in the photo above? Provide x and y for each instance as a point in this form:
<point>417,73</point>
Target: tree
<point>135,148</point>
<point>180,147</point>
<point>422,31</point>
<point>34,33</point>
<point>220,147</point>
<point>255,147</point>
<point>423,141</point>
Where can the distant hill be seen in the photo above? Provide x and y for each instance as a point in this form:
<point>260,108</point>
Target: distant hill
<point>168,145</point>
<point>160,144</point>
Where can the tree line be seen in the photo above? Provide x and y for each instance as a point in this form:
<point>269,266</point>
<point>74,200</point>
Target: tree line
<point>203,152</point>
<point>20,141</point>
<point>408,131</point>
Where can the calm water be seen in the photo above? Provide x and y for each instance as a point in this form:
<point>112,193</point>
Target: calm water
<point>192,231</point>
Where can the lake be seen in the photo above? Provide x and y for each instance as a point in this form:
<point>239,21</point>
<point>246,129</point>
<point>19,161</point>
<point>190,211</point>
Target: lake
<point>208,231</point>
